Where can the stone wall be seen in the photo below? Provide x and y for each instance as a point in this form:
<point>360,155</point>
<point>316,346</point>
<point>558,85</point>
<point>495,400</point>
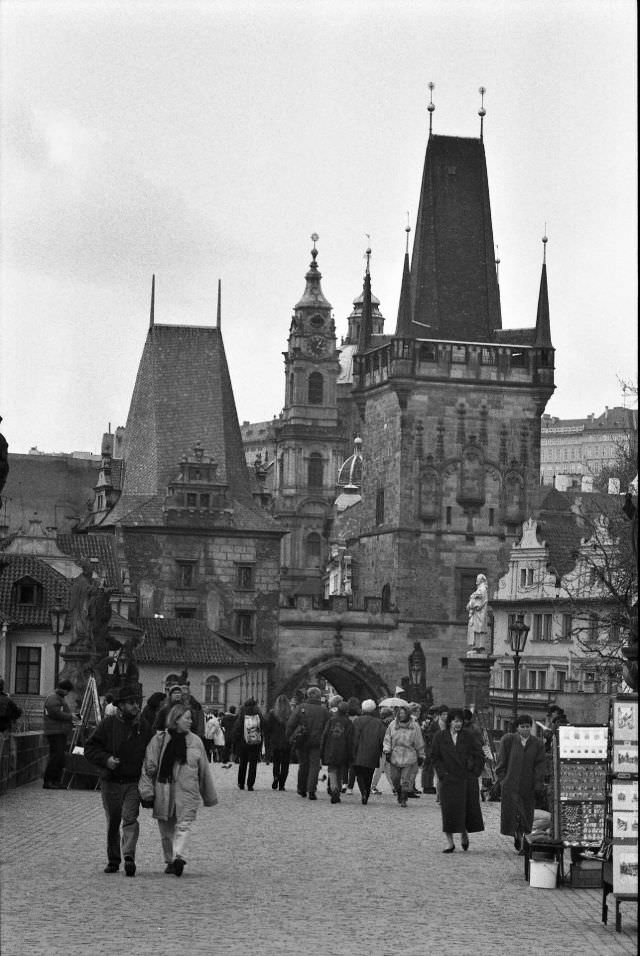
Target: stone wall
<point>22,758</point>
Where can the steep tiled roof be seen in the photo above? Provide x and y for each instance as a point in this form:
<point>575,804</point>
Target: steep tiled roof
<point>53,586</point>
<point>184,641</point>
<point>87,546</point>
<point>454,290</point>
<point>182,397</point>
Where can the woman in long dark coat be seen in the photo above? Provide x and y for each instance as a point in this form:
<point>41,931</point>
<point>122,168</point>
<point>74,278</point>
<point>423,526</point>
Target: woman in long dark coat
<point>520,769</point>
<point>458,761</point>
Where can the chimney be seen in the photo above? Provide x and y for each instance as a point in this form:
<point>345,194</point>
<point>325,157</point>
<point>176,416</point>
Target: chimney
<point>614,486</point>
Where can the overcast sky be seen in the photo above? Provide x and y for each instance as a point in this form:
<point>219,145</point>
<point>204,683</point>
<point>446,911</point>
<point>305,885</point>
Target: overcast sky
<point>206,140</point>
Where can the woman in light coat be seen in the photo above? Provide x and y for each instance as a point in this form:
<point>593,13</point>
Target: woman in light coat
<point>175,775</point>
<point>404,747</point>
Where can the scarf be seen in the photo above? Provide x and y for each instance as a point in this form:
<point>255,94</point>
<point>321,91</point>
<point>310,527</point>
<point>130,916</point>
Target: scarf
<point>174,752</point>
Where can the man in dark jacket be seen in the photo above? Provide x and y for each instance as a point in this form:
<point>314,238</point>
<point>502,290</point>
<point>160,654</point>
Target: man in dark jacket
<point>368,737</point>
<point>311,717</point>
<point>57,726</point>
<point>118,746</point>
<point>9,710</point>
<point>520,770</point>
<point>336,745</point>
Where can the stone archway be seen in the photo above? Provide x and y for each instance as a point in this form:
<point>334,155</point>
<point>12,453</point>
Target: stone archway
<point>350,676</point>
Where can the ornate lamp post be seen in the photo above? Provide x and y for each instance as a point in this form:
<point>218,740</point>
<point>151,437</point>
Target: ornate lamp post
<point>518,633</point>
<point>58,615</point>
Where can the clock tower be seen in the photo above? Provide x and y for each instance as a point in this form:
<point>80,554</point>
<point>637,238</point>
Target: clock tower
<point>309,441</point>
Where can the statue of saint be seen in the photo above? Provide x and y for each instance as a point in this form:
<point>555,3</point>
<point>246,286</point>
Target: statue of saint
<point>81,592</point>
<point>478,610</point>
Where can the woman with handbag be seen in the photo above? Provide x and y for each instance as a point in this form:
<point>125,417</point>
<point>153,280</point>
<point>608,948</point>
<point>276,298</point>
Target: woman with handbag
<point>175,776</point>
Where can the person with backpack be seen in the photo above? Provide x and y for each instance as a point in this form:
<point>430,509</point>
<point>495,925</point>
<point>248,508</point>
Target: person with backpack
<point>336,745</point>
<point>247,734</point>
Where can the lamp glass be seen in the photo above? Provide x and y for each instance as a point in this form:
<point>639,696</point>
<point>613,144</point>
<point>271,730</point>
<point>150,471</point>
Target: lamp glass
<point>518,633</point>
<point>58,616</point>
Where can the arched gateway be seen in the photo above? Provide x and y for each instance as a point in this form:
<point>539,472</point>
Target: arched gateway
<point>349,675</point>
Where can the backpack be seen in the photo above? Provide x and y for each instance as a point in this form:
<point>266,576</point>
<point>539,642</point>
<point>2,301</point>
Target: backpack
<point>252,732</point>
<point>336,730</point>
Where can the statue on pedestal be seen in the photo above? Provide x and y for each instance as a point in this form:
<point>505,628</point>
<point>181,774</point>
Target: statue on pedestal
<point>478,626</point>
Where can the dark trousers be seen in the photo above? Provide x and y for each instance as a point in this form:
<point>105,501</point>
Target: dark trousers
<point>55,765</point>
<point>121,802</point>
<point>308,769</point>
<point>364,776</point>
<point>351,777</point>
<point>280,759</point>
<point>248,765</point>
<point>427,775</point>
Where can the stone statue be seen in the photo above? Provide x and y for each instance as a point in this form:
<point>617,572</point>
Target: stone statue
<point>478,610</point>
<point>81,591</point>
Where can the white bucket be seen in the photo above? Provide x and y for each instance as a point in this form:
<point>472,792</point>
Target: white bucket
<point>543,874</point>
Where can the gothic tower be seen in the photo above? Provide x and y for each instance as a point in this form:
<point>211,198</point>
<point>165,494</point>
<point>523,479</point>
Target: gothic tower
<point>309,441</point>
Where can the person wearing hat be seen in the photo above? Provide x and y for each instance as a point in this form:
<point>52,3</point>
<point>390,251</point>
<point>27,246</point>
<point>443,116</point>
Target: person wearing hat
<point>58,724</point>
<point>174,696</point>
<point>368,736</point>
<point>304,731</point>
<point>118,746</point>
<point>404,746</point>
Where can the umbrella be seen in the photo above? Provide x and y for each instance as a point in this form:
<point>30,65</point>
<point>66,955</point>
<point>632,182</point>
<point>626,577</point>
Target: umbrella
<point>393,702</point>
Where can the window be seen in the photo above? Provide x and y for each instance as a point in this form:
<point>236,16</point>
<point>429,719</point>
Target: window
<point>186,574</point>
<point>204,501</point>
<point>536,680</point>
<point>185,612</point>
<point>244,625</point>
<point>444,663</point>
<point>561,677</point>
<point>313,549</point>
<point>567,627</point>
<point>212,690</point>
<point>192,499</point>
<point>459,354</point>
<point>386,597</point>
<point>316,388</point>
<point>291,384</point>
<point>543,627</point>
<point>526,577</point>
<point>492,517</point>
<point>27,591</point>
<point>448,515</point>
<point>315,470</point>
<point>244,577</point>
<point>380,506</point>
<point>507,680</point>
<point>28,667</point>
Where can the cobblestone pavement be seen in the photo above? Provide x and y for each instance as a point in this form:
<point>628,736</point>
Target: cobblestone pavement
<point>271,873</point>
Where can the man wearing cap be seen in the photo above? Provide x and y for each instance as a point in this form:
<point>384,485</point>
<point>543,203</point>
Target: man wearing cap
<point>311,717</point>
<point>174,696</point>
<point>58,724</point>
<point>118,746</point>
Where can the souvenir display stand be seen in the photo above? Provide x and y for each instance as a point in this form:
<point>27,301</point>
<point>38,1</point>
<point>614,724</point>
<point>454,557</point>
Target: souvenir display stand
<point>620,845</point>
<point>578,804</point>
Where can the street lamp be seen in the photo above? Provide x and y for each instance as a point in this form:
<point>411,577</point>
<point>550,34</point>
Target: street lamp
<point>58,615</point>
<point>518,633</point>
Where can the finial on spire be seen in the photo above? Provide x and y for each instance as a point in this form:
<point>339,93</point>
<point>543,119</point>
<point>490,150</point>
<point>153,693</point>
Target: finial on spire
<point>497,264</point>
<point>545,240</point>
<point>431,106</point>
<point>482,111</point>
<point>153,299</point>
<point>367,252</point>
<point>219,311</point>
<point>407,229</point>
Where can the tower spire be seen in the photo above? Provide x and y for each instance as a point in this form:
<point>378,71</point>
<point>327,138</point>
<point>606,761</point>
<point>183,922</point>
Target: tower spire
<point>219,311</point>
<point>543,324</point>
<point>403,324</point>
<point>482,111</point>
<point>153,299</point>
<point>431,106</point>
<point>366,323</point>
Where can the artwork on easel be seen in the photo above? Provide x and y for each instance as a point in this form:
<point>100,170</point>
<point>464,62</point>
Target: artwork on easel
<point>625,757</point>
<point>625,720</point>
<point>625,870</point>
<point>624,795</point>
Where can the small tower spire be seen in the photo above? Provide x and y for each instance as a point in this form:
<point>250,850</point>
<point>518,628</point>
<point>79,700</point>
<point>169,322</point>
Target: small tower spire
<point>219,311</point>
<point>153,299</point>
<point>431,106</point>
<point>482,111</point>
<point>403,324</point>
<point>366,322</point>
<point>543,324</point>
<point>498,286</point>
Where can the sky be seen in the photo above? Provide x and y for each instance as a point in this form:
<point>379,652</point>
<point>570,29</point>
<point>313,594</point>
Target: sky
<point>208,140</point>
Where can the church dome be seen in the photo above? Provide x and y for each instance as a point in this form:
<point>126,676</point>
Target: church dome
<point>350,475</point>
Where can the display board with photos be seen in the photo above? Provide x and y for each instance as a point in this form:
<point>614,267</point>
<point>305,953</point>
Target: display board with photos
<point>580,770</point>
<point>622,804</point>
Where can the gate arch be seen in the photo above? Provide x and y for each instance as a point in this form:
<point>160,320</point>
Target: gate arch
<point>349,675</point>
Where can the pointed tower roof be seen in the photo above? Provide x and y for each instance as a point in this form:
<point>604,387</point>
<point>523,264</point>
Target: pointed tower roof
<point>454,291</point>
<point>182,398</point>
<point>403,325</point>
<point>366,324</point>
<point>313,297</point>
<point>543,325</point>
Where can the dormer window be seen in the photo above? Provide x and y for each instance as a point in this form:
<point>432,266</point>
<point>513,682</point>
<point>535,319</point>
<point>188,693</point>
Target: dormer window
<point>28,592</point>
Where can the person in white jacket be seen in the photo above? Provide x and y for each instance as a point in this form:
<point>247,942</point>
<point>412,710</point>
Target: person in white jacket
<point>404,748</point>
<point>175,776</point>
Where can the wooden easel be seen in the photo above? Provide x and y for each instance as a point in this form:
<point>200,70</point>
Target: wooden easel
<point>90,717</point>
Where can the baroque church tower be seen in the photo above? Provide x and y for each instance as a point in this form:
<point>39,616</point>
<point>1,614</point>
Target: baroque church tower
<point>309,441</point>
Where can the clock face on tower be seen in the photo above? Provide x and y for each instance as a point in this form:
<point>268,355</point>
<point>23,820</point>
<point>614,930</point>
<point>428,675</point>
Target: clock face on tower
<point>317,345</point>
